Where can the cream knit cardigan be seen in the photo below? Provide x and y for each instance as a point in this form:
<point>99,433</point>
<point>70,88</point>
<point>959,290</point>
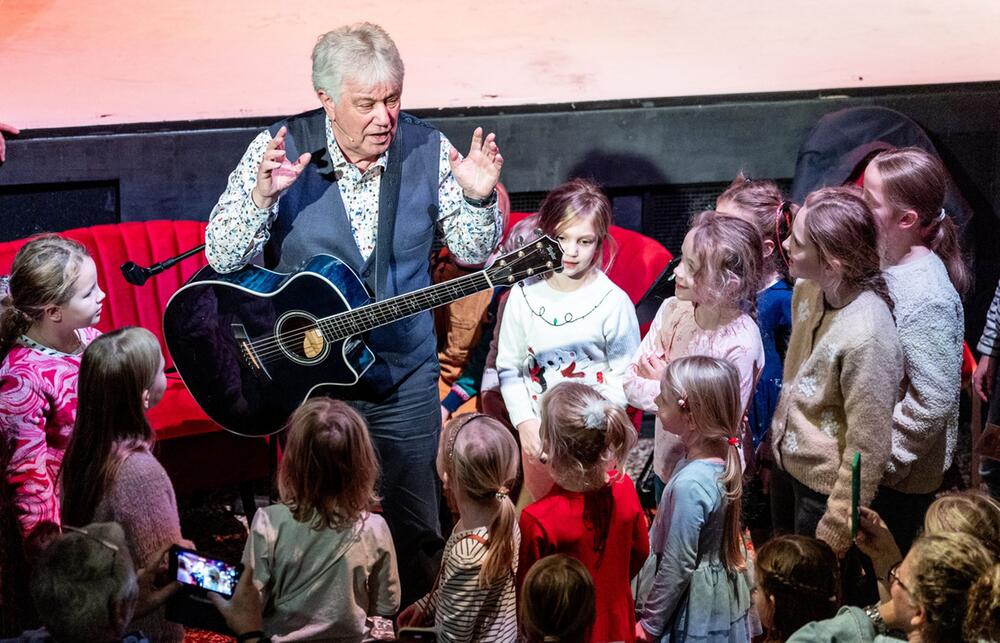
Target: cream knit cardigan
<point>842,375</point>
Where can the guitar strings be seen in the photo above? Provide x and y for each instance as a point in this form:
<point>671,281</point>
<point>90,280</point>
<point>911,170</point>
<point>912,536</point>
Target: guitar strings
<point>341,323</point>
<point>344,323</point>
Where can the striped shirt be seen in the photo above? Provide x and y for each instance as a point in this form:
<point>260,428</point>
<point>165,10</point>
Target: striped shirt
<point>462,610</point>
<point>988,344</point>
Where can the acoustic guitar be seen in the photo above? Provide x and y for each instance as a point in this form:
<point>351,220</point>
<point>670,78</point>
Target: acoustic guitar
<point>252,345</point>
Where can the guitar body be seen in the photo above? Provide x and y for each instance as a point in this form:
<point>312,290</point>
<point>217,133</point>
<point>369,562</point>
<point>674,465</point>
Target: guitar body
<point>247,346</point>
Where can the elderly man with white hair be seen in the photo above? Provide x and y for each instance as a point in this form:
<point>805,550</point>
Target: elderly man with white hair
<point>363,181</point>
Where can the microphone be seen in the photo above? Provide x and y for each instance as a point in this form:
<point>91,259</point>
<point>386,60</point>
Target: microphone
<point>137,275</point>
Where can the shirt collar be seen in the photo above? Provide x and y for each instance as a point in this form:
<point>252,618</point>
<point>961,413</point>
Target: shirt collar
<point>340,163</point>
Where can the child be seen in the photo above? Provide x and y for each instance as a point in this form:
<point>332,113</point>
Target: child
<point>761,204</point>
<point>925,273</point>
<point>716,284</point>
<point>699,591</point>
<point>473,598</point>
<point>557,601</point>
<point>110,473</point>
<point>592,512</point>
<point>842,370</point>
<point>324,564</point>
<point>797,583</point>
<point>46,323</point>
<point>572,325</point>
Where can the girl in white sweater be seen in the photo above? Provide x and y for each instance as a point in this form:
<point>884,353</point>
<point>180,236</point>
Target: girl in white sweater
<point>925,273</point>
<point>575,324</point>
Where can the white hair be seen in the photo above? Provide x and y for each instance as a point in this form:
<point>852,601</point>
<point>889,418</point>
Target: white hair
<point>363,52</point>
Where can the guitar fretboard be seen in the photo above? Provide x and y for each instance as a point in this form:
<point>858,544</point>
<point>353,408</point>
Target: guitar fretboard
<point>360,320</point>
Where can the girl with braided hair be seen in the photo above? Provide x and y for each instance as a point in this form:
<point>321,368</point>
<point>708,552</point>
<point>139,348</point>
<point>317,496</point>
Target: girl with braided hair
<point>797,583</point>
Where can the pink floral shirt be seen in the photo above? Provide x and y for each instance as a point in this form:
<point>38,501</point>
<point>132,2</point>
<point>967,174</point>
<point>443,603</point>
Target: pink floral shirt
<point>673,334</point>
<point>37,412</point>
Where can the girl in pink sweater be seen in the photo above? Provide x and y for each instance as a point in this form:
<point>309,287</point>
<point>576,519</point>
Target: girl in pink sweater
<point>45,324</point>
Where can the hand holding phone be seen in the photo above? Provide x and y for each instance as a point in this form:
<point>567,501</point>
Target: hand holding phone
<point>190,568</point>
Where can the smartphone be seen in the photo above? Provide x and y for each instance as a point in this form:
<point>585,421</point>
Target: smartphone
<point>209,574</point>
<point>855,493</point>
<point>417,635</point>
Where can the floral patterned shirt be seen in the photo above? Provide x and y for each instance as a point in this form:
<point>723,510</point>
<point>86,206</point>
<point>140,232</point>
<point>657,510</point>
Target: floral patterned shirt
<point>238,229</point>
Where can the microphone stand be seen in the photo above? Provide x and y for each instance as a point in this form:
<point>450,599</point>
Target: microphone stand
<point>137,275</point>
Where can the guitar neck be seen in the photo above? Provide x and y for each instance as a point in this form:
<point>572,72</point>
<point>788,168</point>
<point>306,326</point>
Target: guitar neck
<point>365,318</point>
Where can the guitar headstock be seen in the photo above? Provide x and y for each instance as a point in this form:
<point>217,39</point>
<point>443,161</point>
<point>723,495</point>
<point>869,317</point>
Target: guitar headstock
<point>536,258</point>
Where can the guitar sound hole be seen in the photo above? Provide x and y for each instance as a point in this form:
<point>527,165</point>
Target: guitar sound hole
<point>300,338</point>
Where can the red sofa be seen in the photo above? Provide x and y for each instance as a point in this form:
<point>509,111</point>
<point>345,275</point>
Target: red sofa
<point>195,451</point>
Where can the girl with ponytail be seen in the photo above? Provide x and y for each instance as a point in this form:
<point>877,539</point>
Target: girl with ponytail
<point>926,276</point>
<point>473,598</point>
<point>592,512</point>
<point>699,591</point>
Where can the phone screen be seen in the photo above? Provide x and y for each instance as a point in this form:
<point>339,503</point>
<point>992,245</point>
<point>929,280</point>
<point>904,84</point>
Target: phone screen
<point>206,573</point>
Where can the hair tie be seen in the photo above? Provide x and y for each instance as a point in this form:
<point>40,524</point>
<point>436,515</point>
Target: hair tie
<point>941,215</point>
<point>733,441</point>
<point>502,492</point>
<point>594,414</point>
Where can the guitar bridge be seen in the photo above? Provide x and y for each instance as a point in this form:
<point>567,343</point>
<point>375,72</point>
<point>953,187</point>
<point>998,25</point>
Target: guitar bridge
<point>247,352</point>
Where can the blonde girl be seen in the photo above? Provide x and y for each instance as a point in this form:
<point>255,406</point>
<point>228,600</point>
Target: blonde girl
<point>572,325</point>
<point>710,314</point>
<point>699,591</point>
<point>110,473</point>
<point>46,322</point>
<point>592,512</point>
<point>842,370</point>
<point>324,563</point>
<point>473,598</point>
<point>905,190</point>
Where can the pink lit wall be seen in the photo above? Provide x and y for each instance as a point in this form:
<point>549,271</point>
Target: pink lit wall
<point>87,62</point>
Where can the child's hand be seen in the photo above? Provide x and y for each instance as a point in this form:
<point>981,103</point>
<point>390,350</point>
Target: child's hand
<point>650,367</point>
<point>876,541</point>
<point>531,441</point>
<point>411,616</point>
<point>641,635</point>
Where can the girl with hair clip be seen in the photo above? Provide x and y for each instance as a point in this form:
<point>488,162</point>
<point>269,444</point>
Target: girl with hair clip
<point>592,511</point>
<point>572,325</point>
<point>710,314</point>
<point>325,565</point>
<point>110,473</point>
<point>473,598</point>
<point>46,323</point>
<point>842,370</point>
<point>797,583</point>
<point>925,273</point>
<point>699,590</point>
<point>557,601</point>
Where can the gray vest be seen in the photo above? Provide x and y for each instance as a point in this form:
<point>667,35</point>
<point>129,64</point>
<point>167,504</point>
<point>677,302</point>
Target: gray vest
<point>312,220</point>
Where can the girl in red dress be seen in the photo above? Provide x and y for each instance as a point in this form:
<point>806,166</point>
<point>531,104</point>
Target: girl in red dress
<point>592,512</point>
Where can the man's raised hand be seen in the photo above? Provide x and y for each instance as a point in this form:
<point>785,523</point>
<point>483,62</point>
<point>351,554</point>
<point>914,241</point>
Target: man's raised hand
<point>478,172</point>
<point>276,173</point>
